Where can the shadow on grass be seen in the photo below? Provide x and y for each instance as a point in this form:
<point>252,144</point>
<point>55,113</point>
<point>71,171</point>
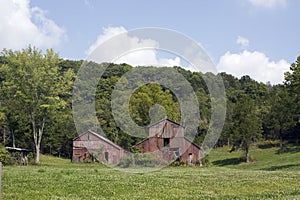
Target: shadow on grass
<point>228,161</point>
<point>268,145</point>
<point>292,149</point>
<point>274,168</point>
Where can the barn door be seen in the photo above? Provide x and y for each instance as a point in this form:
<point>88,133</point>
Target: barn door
<point>191,158</point>
<point>106,156</point>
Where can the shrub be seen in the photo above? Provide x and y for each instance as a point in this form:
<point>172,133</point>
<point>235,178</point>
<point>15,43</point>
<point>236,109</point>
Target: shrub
<point>268,144</point>
<point>139,160</point>
<point>145,160</point>
<point>283,150</point>
<point>205,161</point>
<point>251,158</point>
<point>127,161</point>
<point>31,158</point>
<point>178,162</point>
<point>161,162</point>
<point>5,157</point>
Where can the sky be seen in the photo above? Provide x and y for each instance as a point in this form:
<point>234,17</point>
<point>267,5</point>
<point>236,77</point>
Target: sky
<point>242,37</point>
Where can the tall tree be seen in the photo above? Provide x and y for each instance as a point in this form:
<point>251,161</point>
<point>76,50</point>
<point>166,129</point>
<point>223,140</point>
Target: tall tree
<point>246,126</point>
<point>292,82</point>
<point>281,118</point>
<point>34,82</point>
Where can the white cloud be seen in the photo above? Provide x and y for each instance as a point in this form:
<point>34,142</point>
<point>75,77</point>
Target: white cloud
<point>244,42</point>
<point>144,53</point>
<point>255,64</point>
<point>268,3</point>
<point>169,62</point>
<point>107,34</point>
<point>22,25</point>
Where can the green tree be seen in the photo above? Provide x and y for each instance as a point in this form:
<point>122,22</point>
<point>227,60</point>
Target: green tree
<point>247,126</point>
<point>292,82</point>
<point>145,97</point>
<point>280,116</point>
<point>34,81</point>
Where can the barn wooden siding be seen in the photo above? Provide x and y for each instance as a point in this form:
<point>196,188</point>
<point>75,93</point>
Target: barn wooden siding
<point>166,139</point>
<point>91,145</point>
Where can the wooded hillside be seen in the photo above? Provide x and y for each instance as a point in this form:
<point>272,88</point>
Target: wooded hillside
<point>36,104</point>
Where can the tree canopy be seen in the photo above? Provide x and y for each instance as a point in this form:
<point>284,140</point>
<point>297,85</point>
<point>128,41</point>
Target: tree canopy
<point>36,104</point>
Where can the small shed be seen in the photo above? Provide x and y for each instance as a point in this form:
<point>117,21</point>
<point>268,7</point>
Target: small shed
<point>91,146</point>
<point>21,155</point>
<point>167,139</point>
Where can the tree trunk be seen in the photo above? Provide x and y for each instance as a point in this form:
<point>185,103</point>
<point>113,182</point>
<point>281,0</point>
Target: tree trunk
<point>38,145</point>
<point>281,139</point>
<point>13,139</point>
<point>37,156</point>
<point>37,136</point>
<point>247,155</point>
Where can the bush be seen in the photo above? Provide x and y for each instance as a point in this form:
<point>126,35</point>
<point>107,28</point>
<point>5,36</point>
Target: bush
<point>145,160</point>
<point>127,161</point>
<point>251,158</point>
<point>178,162</point>
<point>268,144</point>
<point>31,158</point>
<point>5,157</point>
<point>139,160</point>
<point>205,161</point>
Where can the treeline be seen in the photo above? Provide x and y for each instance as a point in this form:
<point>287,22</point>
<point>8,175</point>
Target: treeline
<point>36,104</point>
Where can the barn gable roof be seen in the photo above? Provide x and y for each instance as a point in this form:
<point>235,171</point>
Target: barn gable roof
<point>193,143</point>
<point>100,137</point>
<point>162,120</point>
<point>166,119</point>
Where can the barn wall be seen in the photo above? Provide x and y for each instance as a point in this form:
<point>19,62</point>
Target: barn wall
<point>89,143</point>
<point>192,149</point>
<point>185,148</point>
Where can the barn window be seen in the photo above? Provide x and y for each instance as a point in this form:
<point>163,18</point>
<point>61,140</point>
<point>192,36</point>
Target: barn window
<point>166,142</point>
<point>106,156</point>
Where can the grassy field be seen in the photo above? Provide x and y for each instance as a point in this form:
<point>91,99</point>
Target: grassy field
<point>272,176</point>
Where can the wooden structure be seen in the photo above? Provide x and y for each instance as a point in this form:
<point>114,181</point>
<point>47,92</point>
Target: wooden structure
<point>90,146</point>
<point>166,140</point>
<point>19,154</point>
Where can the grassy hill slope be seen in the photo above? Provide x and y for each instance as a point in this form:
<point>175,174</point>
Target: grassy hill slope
<point>272,176</point>
<point>269,159</point>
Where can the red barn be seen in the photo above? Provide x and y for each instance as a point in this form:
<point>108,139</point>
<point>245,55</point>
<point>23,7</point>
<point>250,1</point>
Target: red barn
<point>92,146</point>
<point>166,139</point>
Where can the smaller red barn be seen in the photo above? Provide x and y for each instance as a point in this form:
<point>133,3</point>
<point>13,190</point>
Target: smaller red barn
<point>92,146</point>
<point>166,139</point>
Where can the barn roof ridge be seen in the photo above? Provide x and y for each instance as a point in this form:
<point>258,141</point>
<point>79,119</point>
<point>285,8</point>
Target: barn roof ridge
<point>143,140</point>
<point>165,119</point>
<point>192,142</point>
<point>99,136</point>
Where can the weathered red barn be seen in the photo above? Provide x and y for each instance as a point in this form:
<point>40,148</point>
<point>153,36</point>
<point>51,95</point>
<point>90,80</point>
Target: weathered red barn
<point>92,146</point>
<point>166,139</point>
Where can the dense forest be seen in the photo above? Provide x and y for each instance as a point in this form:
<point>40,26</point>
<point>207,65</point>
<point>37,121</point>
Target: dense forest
<point>36,104</point>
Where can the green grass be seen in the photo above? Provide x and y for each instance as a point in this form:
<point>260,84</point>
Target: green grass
<point>272,176</point>
<point>269,159</point>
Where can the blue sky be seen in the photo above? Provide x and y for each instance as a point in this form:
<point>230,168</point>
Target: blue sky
<point>255,37</point>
